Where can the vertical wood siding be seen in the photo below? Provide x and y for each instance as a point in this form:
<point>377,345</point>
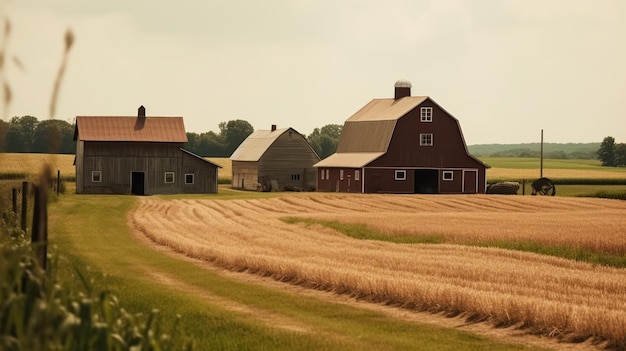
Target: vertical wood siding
<point>117,160</point>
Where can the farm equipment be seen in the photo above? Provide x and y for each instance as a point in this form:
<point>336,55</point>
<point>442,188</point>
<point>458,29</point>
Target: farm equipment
<point>504,188</point>
<point>543,186</point>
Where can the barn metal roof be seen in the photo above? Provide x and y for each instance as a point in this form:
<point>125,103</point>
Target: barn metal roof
<point>349,159</point>
<point>146,129</point>
<point>256,144</point>
<point>200,157</point>
<point>386,109</point>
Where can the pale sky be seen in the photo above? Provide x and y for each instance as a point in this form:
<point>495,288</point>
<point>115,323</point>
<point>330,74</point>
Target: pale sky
<point>504,69</point>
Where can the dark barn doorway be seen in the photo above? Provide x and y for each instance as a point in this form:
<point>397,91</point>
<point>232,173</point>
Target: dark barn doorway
<point>426,181</point>
<point>137,186</point>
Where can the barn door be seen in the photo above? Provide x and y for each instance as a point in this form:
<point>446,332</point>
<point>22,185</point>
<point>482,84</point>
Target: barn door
<point>137,183</point>
<point>470,181</point>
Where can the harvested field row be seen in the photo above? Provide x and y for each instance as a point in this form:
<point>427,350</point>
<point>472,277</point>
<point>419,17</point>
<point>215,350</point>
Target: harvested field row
<point>544,294</point>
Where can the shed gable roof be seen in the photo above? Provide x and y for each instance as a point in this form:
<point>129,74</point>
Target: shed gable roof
<point>143,129</point>
<point>255,145</point>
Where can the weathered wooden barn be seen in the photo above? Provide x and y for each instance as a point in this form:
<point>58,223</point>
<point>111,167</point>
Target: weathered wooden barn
<point>408,144</point>
<point>138,155</point>
<point>276,159</point>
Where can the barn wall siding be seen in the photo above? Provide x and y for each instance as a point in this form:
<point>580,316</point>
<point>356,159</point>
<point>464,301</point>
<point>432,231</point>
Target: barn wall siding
<point>205,175</point>
<point>245,175</point>
<point>117,160</point>
<point>289,161</point>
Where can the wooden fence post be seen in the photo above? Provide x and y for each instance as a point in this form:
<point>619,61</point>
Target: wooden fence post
<point>14,201</point>
<point>39,233</point>
<point>58,181</point>
<point>24,213</point>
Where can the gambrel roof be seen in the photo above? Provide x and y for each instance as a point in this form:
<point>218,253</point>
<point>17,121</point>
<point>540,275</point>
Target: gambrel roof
<point>370,129</point>
<point>144,129</point>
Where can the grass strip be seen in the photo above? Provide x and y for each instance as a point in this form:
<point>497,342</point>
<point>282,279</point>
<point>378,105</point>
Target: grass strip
<point>363,232</point>
<point>91,231</point>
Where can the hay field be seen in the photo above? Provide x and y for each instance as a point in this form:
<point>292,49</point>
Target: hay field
<point>542,294</point>
<point>32,164</point>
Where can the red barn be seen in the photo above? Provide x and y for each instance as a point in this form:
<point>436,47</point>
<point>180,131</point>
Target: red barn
<point>408,144</point>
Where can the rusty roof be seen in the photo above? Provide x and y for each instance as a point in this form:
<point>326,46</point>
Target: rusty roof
<point>386,109</point>
<point>146,129</point>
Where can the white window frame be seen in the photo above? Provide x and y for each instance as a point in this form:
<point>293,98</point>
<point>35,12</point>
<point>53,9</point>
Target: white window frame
<point>426,114</point>
<point>327,174</point>
<point>341,174</point>
<point>173,177</point>
<point>357,174</point>
<point>447,175</point>
<point>193,178</point>
<point>95,174</point>
<point>322,174</point>
<point>424,141</point>
<point>400,174</point>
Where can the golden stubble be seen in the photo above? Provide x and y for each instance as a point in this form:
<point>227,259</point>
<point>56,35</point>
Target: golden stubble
<point>545,294</point>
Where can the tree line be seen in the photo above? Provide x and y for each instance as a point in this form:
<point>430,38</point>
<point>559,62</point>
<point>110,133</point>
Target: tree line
<point>27,134</point>
<point>612,154</point>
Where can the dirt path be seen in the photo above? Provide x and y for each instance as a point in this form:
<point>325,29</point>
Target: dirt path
<point>271,319</point>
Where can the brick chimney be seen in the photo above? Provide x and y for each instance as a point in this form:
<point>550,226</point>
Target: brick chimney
<point>141,118</point>
<point>273,127</point>
<point>141,112</point>
<point>402,89</point>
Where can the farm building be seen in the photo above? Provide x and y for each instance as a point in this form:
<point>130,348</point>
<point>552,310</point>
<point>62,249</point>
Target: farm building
<point>276,159</point>
<point>408,144</point>
<point>138,155</point>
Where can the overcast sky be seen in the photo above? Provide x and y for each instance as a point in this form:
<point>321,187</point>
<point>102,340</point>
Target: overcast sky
<point>505,69</point>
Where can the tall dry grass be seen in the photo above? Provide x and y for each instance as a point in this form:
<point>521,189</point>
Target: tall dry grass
<point>543,294</point>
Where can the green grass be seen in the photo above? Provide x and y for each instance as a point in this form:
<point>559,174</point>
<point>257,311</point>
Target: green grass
<point>91,231</point>
<point>534,163</point>
<point>363,232</point>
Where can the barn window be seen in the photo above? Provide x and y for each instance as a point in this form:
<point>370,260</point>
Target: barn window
<point>96,176</point>
<point>400,175</point>
<point>322,173</point>
<point>169,177</point>
<point>295,177</point>
<point>189,178</point>
<point>328,174</point>
<point>357,175</point>
<point>426,139</point>
<point>341,174</point>
<point>448,175</point>
<point>426,114</point>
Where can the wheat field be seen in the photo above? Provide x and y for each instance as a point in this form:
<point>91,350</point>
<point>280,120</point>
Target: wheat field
<point>541,294</point>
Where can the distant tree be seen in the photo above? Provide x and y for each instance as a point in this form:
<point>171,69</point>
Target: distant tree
<point>212,145</point>
<point>234,132</point>
<point>606,152</point>
<point>53,136</point>
<point>20,134</point>
<point>325,140</point>
<point>620,155</point>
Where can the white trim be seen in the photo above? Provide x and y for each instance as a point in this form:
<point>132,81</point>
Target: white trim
<point>463,180</point>
<point>173,177</point>
<point>193,178</point>
<point>341,174</point>
<point>99,173</point>
<point>400,174</point>
<point>450,173</point>
<point>426,114</point>
<point>424,142</point>
<point>357,174</point>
